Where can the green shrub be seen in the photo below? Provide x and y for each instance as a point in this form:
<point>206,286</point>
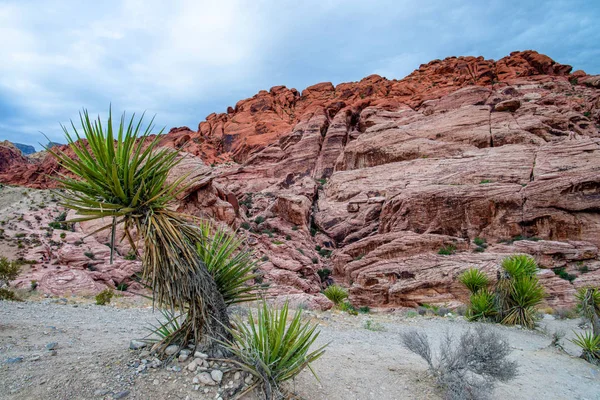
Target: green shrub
<point>315,260</point>
<point>165,329</point>
<point>295,227</point>
<point>272,350</point>
<point>104,297</point>
<point>590,346</point>
<point>131,256</point>
<point>63,235</point>
<point>9,270</point>
<point>474,280</point>
<point>364,310</point>
<point>482,306</point>
<point>562,273</point>
<point>89,255</point>
<point>447,250</point>
<point>373,326</point>
<point>480,242</point>
<point>325,253</point>
<point>122,286</point>
<point>288,237</point>
<point>484,181</point>
<point>588,302</point>
<point>20,235</point>
<point>336,294</point>
<point>245,225</point>
<point>348,307</point>
<point>519,265</point>
<point>259,220</point>
<point>34,284</point>
<point>525,295</point>
<point>324,274</point>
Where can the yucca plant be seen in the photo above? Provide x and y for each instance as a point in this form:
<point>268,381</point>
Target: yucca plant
<point>474,280</point>
<point>519,265</point>
<point>166,328</point>
<point>590,346</point>
<point>589,306</point>
<point>482,306</point>
<point>336,294</point>
<point>525,295</point>
<point>230,264</point>
<point>273,350</point>
<point>120,173</point>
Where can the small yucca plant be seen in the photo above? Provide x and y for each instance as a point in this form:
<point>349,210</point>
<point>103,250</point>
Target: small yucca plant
<point>590,346</point>
<point>519,265</point>
<point>166,328</point>
<point>482,306</point>
<point>525,295</point>
<point>336,294</point>
<point>474,280</point>
<point>230,264</point>
<point>272,350</point>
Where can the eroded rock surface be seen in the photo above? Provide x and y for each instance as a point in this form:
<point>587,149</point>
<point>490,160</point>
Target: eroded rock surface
<point>371,179</point>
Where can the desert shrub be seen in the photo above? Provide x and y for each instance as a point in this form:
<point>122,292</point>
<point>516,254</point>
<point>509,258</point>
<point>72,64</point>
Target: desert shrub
<point>563,274</point>
<point>104,297</point>
<point>590,346</point>
<point>589,307</point>
<point>166,328</point>
<point>245,225</point>
<point>336,294</point>
<point>295,227</point>
<point>482,306</point>
<point>324,274</point>
<point>314,260</point>
<point>9,270</point>
<point>515,297</point>
<point>474,280</point>
<point>447,250</point>
<point>131,255</point>
<point>480,242</point>
<point>89,255</point>
<point>288,237</point>
<point>271,351</point>
<point>470,368</point>
<point>564,313</point>
<point>324,253</point>
<point>348,307</point>
<point>34,284</point>
<point>371,325</point>
<point>422,310</point>
<point>364,310</point>
<point>122,286</point>
<point>259,220</point>
<point>20,235</point>
<point>525,294</point>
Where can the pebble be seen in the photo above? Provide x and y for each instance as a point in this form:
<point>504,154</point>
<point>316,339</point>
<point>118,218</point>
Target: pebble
<point>237,376</point>
<point>121,395</point>
<point>183,357</point>
<point>14,360</point>
<point>176,368</point>
<point>101,392</point>
<point>216,375</point>
<point>51,346</point>
<point>137,344</point>
<point>172,349</point>
<point>204,378</point>
<point>200,355</point>
<point>192,366</point>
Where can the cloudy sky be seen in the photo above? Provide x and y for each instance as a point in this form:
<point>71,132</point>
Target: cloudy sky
<point>182,60</point>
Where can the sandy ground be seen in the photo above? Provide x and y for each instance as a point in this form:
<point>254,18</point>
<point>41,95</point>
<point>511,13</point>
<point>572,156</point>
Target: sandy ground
<point>92,359</point>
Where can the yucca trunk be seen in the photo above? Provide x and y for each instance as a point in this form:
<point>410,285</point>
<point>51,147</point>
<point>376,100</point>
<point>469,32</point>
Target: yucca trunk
<point>181,280</point>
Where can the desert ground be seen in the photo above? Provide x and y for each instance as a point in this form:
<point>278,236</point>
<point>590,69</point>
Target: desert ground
<point>70,348</point>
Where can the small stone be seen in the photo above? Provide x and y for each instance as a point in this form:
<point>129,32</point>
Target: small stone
<point>137,344</point>
<point>14,360</point>
<point>145,354</point>
<point>185,352</point>
<point>176,368</point>
<point>101,392</point>
<point>237,376</point>
<point>51,346</point>
<point>183,357</point>
<point>155,382</point>
<point>200,355</point>
<point>192,366</point>
<point>217,375</point>
<point>172,349</point>
<point>248,379</point>
<point>121,395</point>
<point>205,379</point>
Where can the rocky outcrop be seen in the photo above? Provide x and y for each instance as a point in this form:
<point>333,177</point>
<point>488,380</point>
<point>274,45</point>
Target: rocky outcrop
<point>370,179</point>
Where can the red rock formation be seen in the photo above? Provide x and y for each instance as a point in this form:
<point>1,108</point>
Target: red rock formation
<point>383,173</point>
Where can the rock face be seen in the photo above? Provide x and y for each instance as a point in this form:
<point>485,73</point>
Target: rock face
<point>371,179</point>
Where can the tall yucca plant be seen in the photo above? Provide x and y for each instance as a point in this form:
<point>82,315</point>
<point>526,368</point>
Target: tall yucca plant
<point>121,174</point>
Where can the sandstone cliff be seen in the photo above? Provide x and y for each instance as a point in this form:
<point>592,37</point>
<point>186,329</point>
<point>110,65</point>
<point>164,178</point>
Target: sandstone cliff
<point>371,179</point>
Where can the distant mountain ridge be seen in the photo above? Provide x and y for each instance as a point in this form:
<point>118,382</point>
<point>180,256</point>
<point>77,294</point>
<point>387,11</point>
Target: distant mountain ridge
<point>25,148</point>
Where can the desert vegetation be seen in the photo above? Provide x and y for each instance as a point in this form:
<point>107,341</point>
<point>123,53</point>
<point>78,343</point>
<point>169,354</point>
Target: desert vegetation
<point>589,307</point>
<point>514,297</point>
<point>9,270</point>
<point>195,270</point>
<point>467,367</point>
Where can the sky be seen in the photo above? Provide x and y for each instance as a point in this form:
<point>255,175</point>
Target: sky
<point>182,60</point>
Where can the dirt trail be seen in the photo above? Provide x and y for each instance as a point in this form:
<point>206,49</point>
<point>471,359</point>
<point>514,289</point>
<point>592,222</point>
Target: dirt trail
<point>92,359</point>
